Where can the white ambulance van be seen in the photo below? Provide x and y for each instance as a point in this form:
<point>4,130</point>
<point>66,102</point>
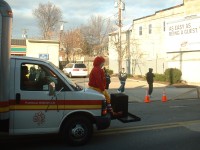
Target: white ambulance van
<point>37,98</point>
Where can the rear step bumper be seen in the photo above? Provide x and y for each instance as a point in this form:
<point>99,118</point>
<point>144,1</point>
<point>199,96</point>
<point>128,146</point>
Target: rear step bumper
<point>119,102</point>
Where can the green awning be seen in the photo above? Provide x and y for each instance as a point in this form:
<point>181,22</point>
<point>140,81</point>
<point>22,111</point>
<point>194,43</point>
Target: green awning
<point>18,49</point>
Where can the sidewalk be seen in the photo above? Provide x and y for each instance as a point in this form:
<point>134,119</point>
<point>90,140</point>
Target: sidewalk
<point>136,90</point>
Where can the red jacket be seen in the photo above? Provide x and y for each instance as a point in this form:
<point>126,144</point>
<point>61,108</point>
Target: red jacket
<point>97,76</point>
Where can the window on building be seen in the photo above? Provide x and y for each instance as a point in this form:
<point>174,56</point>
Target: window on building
<point>115,38</point>
<point>150,28</point>
<point>127,35</point>
<point>140,30</point>
<point>164,26</point>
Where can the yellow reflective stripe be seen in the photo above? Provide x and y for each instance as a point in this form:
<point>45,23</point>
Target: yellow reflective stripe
<point>4,109</point>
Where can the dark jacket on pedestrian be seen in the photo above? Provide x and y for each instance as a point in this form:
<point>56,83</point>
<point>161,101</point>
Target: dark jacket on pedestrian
<point>122,76</point>
<point>150,76</point>
<point>108,81</point>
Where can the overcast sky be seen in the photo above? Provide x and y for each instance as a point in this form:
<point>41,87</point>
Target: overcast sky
<point>78,12</point>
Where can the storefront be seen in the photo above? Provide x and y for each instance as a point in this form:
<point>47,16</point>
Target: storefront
<point>19,51</point>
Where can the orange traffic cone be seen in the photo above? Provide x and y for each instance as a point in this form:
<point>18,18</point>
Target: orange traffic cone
<point>164,97</point>
<point>147,99</point>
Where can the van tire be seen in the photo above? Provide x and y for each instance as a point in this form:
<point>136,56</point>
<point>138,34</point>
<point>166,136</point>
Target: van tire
<point>77,130</point>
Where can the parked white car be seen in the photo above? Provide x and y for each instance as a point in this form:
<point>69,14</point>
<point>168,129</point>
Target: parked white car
<point>76,70</point>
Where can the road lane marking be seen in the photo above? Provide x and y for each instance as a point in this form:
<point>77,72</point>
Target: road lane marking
<point>178,106</point>
<point>147,127</point>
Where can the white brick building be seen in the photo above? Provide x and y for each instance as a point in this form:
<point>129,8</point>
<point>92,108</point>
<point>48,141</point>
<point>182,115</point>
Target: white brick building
<point>168,38</point>
<point>45,49</point>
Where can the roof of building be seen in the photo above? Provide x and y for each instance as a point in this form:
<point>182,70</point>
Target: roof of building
<point>43,41</point>
<point>21,42</point>
<point>159,11</point>
<point>123,29</point>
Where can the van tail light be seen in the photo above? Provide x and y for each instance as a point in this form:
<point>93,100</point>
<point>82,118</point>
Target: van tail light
<point>75,69</point>
<point>104,108</point>
<point>104,112</point>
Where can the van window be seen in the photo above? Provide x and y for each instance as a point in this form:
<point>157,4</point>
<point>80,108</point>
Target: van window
<point>36,77</point>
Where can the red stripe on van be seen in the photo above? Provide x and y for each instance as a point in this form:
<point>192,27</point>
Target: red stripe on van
<point>4,104</point>
<point>57,102</point>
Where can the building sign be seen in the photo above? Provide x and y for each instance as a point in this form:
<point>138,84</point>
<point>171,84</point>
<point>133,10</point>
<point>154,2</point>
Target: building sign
<point>44,56</point>
<point>182,29</point>
<point>183,34</point>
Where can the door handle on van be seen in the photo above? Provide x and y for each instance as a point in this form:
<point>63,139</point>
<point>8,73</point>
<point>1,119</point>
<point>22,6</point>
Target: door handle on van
<point>18,98</point>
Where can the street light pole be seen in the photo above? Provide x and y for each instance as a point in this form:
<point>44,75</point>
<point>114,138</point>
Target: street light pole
<point>60,41</point>
<point>61,31</point>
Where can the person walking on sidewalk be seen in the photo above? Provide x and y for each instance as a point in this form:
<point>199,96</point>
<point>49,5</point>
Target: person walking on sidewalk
<point>122,78</point>
<point>150,80</point>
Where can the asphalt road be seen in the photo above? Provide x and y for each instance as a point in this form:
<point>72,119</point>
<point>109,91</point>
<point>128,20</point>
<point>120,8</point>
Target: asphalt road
<point>174,125</point>
<point>171,125</point>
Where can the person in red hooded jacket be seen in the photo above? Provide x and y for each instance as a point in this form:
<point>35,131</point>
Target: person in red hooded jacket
<point>97,79</point>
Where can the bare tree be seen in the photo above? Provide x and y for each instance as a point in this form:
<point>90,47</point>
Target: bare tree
<point>96,33</point>
<point>48,16</point>
<point>121,47</point>
<point>74,43</point>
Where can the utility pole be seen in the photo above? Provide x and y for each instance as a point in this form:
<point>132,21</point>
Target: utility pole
<point>121,6</point>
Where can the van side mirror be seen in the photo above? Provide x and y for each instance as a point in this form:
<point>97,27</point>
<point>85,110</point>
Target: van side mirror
<point>51,89</point>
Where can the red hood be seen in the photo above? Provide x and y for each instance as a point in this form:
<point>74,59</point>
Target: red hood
<point>98,61</point>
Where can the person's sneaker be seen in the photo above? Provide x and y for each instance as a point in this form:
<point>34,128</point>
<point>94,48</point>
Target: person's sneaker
<point>118,91</point>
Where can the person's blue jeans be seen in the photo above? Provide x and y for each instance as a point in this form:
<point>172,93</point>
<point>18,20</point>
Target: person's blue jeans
<point>122,86</point>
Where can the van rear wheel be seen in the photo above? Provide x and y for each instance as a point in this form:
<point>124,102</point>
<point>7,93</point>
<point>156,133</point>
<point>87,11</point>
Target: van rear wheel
<point>77,130</point>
